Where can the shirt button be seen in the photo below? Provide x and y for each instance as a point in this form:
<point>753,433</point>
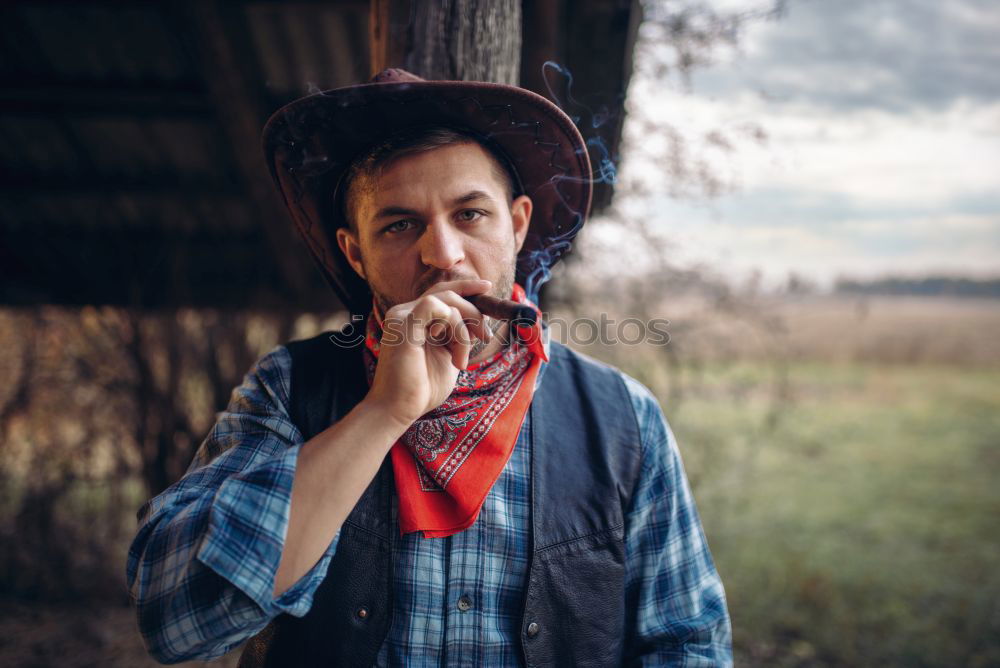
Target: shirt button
<point>532,630</point>
<point>464,603</point>
<point>362,612</point>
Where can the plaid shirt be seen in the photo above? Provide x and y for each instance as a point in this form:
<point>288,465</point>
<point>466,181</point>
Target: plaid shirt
<point>201,568</point>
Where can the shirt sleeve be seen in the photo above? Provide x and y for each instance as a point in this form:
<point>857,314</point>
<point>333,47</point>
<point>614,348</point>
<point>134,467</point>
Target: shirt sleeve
<point>681,617</point>
<point>201,568</point>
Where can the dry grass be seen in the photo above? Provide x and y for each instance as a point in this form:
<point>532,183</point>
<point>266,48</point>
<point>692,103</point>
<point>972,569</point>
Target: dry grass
<point>902,330</point>
<point>893,330</point>
<point>801,421</point>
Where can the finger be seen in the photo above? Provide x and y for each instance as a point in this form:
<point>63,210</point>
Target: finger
<point>445,328</point>
<point>434,321</point>
<point>426,319</point>
<point>472,316</point>
<point>396,325</point>
<point>459,340</point>
<point>404,313</point>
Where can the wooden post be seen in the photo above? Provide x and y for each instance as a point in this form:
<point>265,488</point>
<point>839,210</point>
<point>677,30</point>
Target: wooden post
<point>388,33</point>
<point>467,40</point>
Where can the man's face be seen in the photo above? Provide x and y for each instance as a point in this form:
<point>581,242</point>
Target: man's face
<point>439,215</point>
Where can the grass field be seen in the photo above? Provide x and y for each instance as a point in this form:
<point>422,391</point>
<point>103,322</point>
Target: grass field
<point>843,453</point>
<point>843,456</point>
<point>856,524</point>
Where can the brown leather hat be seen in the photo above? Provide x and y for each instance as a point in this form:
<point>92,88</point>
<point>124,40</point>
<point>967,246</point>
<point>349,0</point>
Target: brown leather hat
<point>311,142</point>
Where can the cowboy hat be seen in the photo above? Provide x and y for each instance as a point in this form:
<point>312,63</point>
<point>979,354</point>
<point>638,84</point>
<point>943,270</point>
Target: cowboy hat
<point>311,143</point>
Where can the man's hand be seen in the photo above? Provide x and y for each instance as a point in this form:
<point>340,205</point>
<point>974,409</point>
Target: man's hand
<point>425,343</point>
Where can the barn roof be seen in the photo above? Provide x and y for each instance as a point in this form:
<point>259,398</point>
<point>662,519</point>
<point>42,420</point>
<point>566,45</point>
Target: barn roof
<point>130,167</point>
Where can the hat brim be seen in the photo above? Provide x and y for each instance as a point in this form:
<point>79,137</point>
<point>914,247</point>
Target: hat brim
<point>311,142</point>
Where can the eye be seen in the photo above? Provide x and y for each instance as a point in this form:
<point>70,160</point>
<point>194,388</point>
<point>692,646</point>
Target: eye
<point>398,226</point>
<point>469,215</point>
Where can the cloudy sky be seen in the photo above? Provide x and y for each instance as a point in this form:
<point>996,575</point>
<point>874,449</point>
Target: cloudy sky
<point>882,154</point>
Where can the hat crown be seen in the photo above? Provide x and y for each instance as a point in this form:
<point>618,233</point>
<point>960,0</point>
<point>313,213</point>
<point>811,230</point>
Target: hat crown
<point>394,75</point>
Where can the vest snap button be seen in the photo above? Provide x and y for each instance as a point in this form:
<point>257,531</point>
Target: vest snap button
<point>464,603</point>
<point>362,612</point>
<point>532,630</point>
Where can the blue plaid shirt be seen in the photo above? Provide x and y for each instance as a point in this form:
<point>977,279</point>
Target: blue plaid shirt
<point>201,568</point>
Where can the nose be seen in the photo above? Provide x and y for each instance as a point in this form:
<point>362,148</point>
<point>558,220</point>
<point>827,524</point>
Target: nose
<point>441,246</point>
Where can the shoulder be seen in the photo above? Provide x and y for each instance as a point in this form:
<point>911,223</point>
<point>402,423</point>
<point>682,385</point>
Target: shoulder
<point>639,396</point>
<point>258,405</point>
<point>577,363</point>
<point>644,403</point>
<point>321,341</point>
<point>326,346</point>
<point>268,378</point>
<point>302,358</point>
<point>650,420</point>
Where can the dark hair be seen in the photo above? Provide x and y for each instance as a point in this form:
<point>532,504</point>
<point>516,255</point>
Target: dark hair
<point>368,166</point>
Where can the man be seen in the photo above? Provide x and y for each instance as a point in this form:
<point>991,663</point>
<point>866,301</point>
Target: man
<point>532,508</point>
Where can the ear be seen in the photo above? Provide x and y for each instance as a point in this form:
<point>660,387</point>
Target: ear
<point>520,214</point>
<point>351,249</point>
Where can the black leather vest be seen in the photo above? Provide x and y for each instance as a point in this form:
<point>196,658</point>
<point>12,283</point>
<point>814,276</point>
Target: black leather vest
<point>584,465</point>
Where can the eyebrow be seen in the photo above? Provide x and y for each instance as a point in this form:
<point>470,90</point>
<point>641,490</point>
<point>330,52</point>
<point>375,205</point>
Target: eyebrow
<point>471,196</point>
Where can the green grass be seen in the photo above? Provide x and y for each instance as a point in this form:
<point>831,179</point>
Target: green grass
<point>852,510</point>
<point>855,520</point>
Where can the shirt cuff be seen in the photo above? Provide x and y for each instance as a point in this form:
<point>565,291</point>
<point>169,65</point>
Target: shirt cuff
<point>246,533</point>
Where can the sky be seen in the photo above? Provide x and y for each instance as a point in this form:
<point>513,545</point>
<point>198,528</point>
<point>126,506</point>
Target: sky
<point>880,153</point>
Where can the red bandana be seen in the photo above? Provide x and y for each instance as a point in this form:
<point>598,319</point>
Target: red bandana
<point>447,461</point>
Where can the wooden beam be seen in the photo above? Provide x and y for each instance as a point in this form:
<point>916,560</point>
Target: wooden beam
<point>217,37</point>
<point>465,40</point>
<point>61,185</point>
<point>388,33</point>
<point>593,40</point>
<point>542,41</point>
<point>99,98</point>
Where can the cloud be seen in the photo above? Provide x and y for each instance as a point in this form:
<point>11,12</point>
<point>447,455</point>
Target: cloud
<point>862,54</point>
<point>926,158</point>
<point>882,154</point>
<point>823,210</point>
<point>864,247</point>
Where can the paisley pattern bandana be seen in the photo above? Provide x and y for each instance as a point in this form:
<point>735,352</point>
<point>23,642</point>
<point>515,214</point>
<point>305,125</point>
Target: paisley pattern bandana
<point>448,460</point>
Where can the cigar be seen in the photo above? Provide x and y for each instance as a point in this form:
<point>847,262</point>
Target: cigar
<point>504,309</point>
